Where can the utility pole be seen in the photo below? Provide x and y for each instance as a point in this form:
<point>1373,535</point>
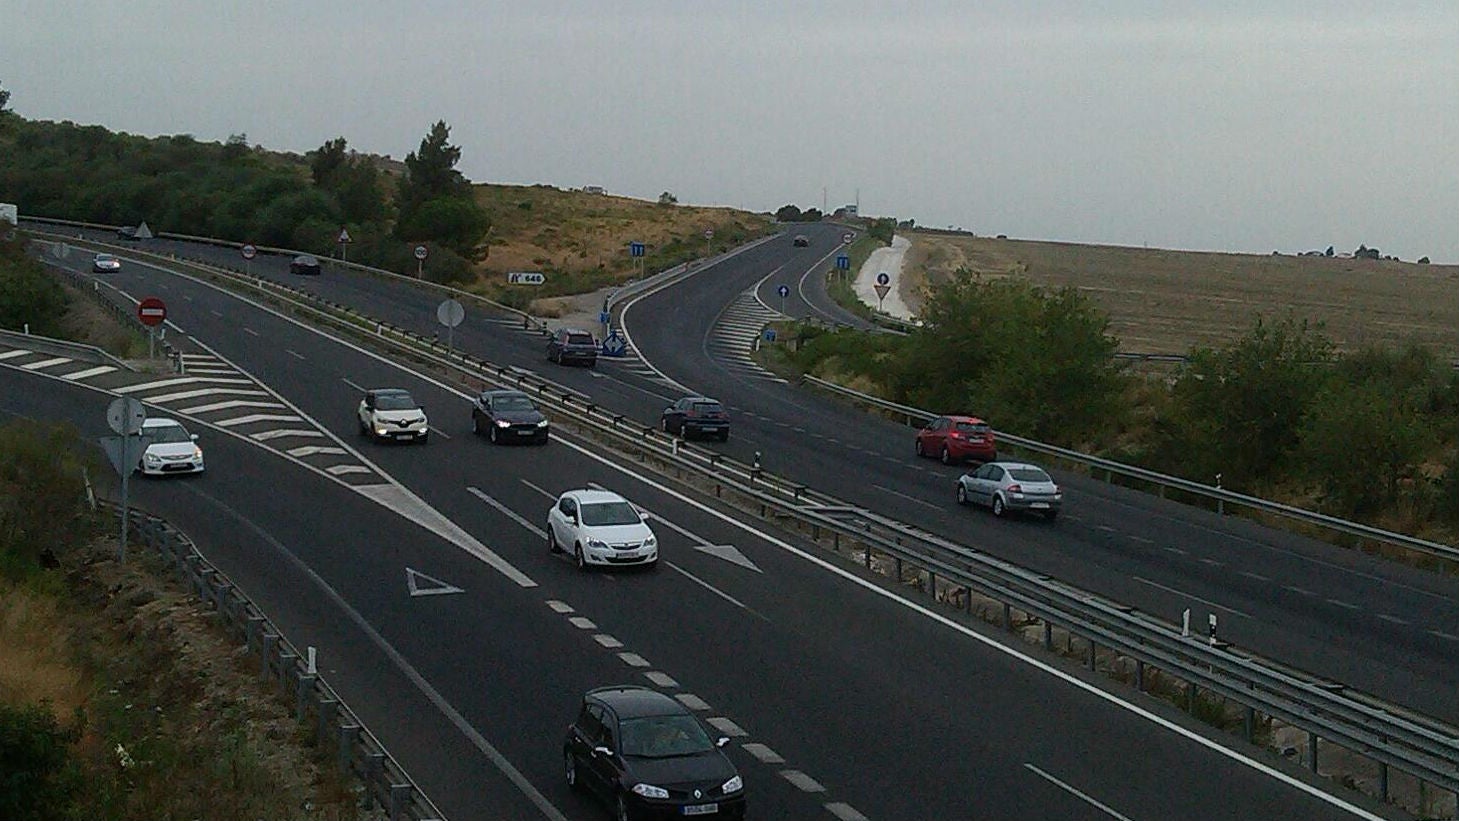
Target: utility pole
<point>823,199</point>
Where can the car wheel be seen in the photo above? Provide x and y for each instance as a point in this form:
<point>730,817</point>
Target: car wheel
<point>364,431</point>
<point>570,770</point>
<point>475,425</point>
<point>666,426</point>
<point>620,813</point>
<point>962,494</point>
<point>424,437</point>
<point>579,557</point>
<point>920,452</point>
<point>998,508</point>
<point>724,437</point>
<point>946,456</point>
<point>495,436</point>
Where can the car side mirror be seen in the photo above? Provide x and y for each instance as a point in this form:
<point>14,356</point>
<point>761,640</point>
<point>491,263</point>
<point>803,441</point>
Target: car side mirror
<point>721,741</point>
<point>603,751</point>
<point>194,437</point>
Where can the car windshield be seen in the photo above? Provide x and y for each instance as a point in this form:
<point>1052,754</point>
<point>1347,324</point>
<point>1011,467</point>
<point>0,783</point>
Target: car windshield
<point>1029,475</point>
<point>706,409</point>
<point>104,257</point>
<point>610,513</point>
<point>972,427</point>
<point>664,736</point>
<point>306,260</point>
<point>167,434</point>
<point>511,403</point>
<point>394,402</point>
<point>579,339</point>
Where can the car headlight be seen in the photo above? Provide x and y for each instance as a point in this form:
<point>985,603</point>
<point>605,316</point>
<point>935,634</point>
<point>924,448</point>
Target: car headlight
<point>502,423</point>
<point>542,424</point>
<point>650,791</point>
<point>153,459</point>
<point>597,544</point>
<point>381,430</point>
<point>733,785</point>
<point>197,453</point>
<point>651,541</point>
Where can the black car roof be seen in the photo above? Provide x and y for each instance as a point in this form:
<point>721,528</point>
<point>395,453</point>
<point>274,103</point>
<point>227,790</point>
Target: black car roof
<point>630,701</point>
<point>496,393</point>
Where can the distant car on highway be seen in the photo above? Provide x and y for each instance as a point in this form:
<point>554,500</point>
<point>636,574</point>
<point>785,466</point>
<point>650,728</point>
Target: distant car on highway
<point>1016,486</point>
<point>600,528</point>
<point>801,241</point>
<point>392,414</point>
<point>127,232</point>
<point>647,756</point>
<point>105,264</point>
<point>957,439</point>
<point>697,416</point>
<point>568,345</point>
<point>304,264</point>
<point>170,448</point>
<point>508,416</point>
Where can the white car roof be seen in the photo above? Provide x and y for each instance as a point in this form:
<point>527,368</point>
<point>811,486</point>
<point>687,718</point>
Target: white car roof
<point>590,497</point>
<point>159,422</point>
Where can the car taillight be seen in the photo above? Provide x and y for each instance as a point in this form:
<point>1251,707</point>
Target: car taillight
<point>1015,488</point>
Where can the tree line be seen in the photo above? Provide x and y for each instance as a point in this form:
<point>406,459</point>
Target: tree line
<point>1369,434</point>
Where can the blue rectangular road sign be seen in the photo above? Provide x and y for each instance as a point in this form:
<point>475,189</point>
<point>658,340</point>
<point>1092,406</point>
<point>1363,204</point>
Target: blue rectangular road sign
<point>635,249</point>
<point>843,262</point>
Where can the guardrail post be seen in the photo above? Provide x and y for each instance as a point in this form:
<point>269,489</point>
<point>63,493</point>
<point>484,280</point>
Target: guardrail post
<point>1220,503</point>
<point>1383,783</point>
<point>1312,751</point>
<point>349,735</point>
<point>327,707</point>
<point>302,689</point>
<point>1140,681</point>
<point>270,643</point>
<point>1048,635</point>
<point>1190,697</point>
<point>1007,616</point>
<point>1250,724</point>
<point>1093,649</point>
<point>399,798</point>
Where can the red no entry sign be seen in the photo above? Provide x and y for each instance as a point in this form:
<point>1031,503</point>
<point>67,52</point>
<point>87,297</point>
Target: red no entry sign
<point>151,311</point>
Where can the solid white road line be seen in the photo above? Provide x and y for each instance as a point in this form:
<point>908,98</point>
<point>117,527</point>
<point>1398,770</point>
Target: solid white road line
<point>506,511</point>
<point>1190,596</point>
<point>1076,793</point>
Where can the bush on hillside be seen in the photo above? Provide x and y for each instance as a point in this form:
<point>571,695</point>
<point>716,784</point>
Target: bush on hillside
<point>40,778</point>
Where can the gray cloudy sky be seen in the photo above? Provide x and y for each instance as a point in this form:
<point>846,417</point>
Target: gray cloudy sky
<point>1243,125</point>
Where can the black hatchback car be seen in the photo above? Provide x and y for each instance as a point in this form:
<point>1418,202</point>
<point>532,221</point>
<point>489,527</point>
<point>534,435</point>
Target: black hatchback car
<point>648,757</point>
<point>697,416</point>
<point>304,264</point>
<point>508,416</point>
<point>568,345</point>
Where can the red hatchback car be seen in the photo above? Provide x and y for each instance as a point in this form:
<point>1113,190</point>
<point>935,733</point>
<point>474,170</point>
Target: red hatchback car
<point>956,439</point>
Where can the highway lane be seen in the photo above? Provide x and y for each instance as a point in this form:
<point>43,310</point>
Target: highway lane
<point>1332,612</point>
<point>829,659</point>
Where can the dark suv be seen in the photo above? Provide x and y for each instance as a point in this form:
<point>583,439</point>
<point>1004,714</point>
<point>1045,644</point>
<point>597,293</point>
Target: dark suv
<point>304,264</point>
<point>568,345</point>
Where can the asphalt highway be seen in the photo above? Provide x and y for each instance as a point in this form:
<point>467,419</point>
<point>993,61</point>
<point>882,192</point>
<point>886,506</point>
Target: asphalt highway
<point>843,698</point>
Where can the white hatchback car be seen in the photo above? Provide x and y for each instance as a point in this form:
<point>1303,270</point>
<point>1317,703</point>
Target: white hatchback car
<point>600,528</point>
<point>170,448</point>
<point>392,413</point>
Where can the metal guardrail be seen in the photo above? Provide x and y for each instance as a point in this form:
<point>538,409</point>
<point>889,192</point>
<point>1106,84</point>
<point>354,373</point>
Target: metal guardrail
<point>1218,494</point>
<point>330,721</point>
<point>62,347</point>
<point>1389,734</point>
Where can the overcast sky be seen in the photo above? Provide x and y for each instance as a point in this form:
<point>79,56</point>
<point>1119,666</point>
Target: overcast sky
<point>1241,126</point>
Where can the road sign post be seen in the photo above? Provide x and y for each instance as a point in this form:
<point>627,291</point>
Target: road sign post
<point>421,252</point>
<point>249,252</point>
<point>784,291</point>
<point>708,235</point>
<point>636,251</point>
<point>344,241</point>
<point>125,415</point>
<point>883,285</point>
<point>152,312</point>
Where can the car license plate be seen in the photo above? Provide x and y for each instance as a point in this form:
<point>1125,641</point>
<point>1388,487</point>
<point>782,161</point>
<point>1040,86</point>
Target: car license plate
<point>1039,504</point>
<point>525,432</point>
<point>701,809</point>
<point>404,436</point>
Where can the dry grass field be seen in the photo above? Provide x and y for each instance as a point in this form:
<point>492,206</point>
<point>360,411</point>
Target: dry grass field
<point>583,238</point>
<point>1162,301</point>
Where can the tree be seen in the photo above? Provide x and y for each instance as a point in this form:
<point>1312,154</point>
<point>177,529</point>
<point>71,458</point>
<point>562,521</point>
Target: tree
<point>39,774</point>
<point>668,199</point>
<point>236,147</point>
<point>327,160</point>
<point>1360,441</point>
<point>788,213</point>
<point>1328,252</point>
<point>431,170</point>
<point>4,99</point>
<point>452,221</point>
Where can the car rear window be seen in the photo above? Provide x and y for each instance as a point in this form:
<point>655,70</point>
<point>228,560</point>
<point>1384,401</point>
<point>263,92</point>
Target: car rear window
<point>579,339</point>
<point>706,409</point>
<point>974,427</point>
<point>1029,475</point>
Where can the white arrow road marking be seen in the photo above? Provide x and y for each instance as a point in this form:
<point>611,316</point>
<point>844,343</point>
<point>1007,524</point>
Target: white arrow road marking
<point>416,509</point>
<point>434,586</point>
<point>719,551</point>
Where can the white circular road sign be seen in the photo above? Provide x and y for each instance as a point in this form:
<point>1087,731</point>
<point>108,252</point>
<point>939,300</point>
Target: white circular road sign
<point>125,415</point>
<point>450,313</point>
<point>848,237</point>
<point>248,251</point>
<point>421,252</point>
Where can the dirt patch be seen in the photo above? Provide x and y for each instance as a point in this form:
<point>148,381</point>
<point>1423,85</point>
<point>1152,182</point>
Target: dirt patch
<point>1162,301</point>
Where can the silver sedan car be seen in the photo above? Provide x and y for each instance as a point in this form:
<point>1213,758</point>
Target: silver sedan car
<point>1006,486</point>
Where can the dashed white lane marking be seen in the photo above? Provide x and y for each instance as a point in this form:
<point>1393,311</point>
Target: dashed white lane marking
<point>802,781</point>
<point>275,434</point>
<point>1446,636</point>
<point>583,623</point>
<point>440,433</point>
<point>1105,528</point>
<point>1259,577</point>
<point>13,354</point>
<point>340,470</point>
<point>1298,590</point>
<point>607,641</point>
<point>310,450</point>
<point>1190,596</point>
<point>1076,793</point>
<point>663,680</point>
<point>1343,604</point>
<point>1174,550</point>
<point>763,753</point>
<point>250,331</point>
<point>1212,562</point>
<point>45,363</point>
<point>633,660</point>
<point>508,512</point>
<point>559,606</point>
<point>845,811</point>
<point>230,404</point>
<point>692,701</point>
<point>902,495</point>
<point>259,417</point>
<point>90,372</point>
<point>1392,619</point>
<point>1142,540</point>
<point>726,726</point>
<point>294,354</point>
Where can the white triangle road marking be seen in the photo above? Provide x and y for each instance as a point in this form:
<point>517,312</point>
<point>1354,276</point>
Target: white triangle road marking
<point>419,584</point>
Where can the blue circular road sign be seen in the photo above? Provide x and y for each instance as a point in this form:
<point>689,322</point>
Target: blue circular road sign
<point>783,290</point>
<point>883,279</point>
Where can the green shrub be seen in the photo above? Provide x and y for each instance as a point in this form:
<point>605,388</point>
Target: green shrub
<point>39,775</point>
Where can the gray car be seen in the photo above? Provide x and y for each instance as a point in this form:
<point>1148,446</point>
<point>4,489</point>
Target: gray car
<point>1005,486</point>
